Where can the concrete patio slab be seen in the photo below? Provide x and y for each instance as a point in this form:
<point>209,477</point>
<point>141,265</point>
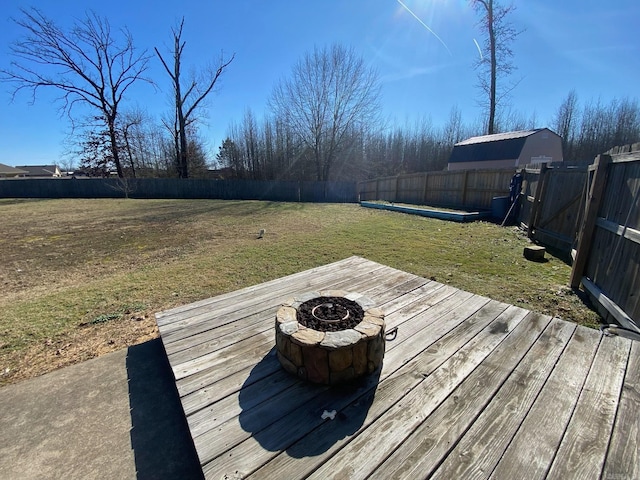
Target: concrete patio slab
<point>116,416</point>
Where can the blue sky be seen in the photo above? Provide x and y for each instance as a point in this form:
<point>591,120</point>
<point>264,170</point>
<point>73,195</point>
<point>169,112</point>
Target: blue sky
<point>587,45</point>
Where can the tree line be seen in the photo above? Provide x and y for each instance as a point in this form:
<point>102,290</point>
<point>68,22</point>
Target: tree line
<point>595,126</point>
<point>268,148</point>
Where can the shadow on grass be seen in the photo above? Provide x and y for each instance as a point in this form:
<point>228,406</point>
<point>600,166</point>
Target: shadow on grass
<point>160,437</point>
<point>291,418</point>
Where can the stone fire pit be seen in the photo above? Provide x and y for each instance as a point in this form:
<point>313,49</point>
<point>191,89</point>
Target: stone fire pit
<point>330,337</point>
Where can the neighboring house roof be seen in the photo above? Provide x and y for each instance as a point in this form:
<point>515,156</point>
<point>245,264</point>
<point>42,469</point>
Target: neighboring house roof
<point>7,171</point>
<point>40,170</point>
<point>500,146</point>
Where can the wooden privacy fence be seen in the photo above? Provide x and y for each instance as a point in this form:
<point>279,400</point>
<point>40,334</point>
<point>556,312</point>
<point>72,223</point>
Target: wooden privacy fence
<point>282,191</point>
<point>461,189</point>
<point>551,204</point>
<point>607,258</point>
<point>589,212</point>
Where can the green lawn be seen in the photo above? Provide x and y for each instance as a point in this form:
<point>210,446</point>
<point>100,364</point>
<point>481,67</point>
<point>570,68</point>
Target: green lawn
<point>83,277</point>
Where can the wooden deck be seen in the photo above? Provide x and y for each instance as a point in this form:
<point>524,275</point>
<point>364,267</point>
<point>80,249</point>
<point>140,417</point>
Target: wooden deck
<point>470,388</point>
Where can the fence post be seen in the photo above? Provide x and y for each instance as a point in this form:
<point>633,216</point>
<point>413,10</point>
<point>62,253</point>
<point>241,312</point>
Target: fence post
<point>464,188</point>
<point>395,191</point>
<point>535,207</point>
<point>585,235</point>
<point>425,190</point>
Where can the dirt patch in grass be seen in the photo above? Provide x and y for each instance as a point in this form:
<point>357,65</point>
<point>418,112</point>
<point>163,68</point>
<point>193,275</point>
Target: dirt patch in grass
<point>81,278</point>
<point>76,345</point>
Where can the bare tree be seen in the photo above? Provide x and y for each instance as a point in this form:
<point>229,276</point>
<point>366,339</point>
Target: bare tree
<point>188,99</point>
<point>130,122</point>
<point>87,64</point>
<point>566,121</point>
<point>331,94</point>
<point>496,56</point>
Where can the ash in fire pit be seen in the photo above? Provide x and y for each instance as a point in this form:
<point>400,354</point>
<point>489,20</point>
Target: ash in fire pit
<point>330,314</point>
<point>330,337</point>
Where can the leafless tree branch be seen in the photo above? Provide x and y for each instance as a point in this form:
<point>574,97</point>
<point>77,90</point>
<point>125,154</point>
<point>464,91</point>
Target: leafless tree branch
<point>86,64</point>
<point>496,60</point>
<point>331,94</point>
<point>188,102</point>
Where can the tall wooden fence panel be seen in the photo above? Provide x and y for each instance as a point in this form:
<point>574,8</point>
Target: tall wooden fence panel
<point>410,188</point>
<point>462,189</point>
<point>480,187</point>
<point>447,189</point>
<point>531,178</point>
<point>284,191</point>
<point>607,260</point>
<point>551,204</point>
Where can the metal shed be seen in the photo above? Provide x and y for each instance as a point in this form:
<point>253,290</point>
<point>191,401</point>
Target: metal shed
<point>505,150</point>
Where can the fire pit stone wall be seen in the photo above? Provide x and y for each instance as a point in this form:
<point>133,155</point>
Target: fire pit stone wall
<point>330,357</point>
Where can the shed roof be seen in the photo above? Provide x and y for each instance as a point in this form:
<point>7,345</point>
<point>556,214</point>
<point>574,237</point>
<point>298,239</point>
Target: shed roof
<point>499,146</point>
<point>499,136</point>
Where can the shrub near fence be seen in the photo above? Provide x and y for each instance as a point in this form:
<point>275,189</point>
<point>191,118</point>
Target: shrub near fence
<point>174,188</point>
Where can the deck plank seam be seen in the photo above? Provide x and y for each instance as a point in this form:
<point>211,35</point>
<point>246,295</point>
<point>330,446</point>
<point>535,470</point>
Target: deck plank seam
<point>537,397</point>
<point>585,392</point>
<point>445,394</point>
<point>495,390</point>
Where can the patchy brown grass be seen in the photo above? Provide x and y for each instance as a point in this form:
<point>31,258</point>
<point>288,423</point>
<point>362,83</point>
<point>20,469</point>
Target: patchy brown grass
<point>83,277</point>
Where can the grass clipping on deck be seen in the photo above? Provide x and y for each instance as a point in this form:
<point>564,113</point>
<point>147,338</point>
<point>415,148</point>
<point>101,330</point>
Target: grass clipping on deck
<point>83,277</point>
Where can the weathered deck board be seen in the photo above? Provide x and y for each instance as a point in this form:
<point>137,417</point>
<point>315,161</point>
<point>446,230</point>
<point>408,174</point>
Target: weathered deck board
<point>482,446</point>
<point>279,420</point>
<point>169,316</point>
<point>622,460</point>
<point>469,388</point>
<point>485,371</point>
<point>584,445</point>
<point>476,329</point>
<point>536,442</point>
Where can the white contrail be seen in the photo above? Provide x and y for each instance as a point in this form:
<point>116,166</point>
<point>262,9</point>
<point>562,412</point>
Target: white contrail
<point>425,26</point>
<point>479,50</point>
